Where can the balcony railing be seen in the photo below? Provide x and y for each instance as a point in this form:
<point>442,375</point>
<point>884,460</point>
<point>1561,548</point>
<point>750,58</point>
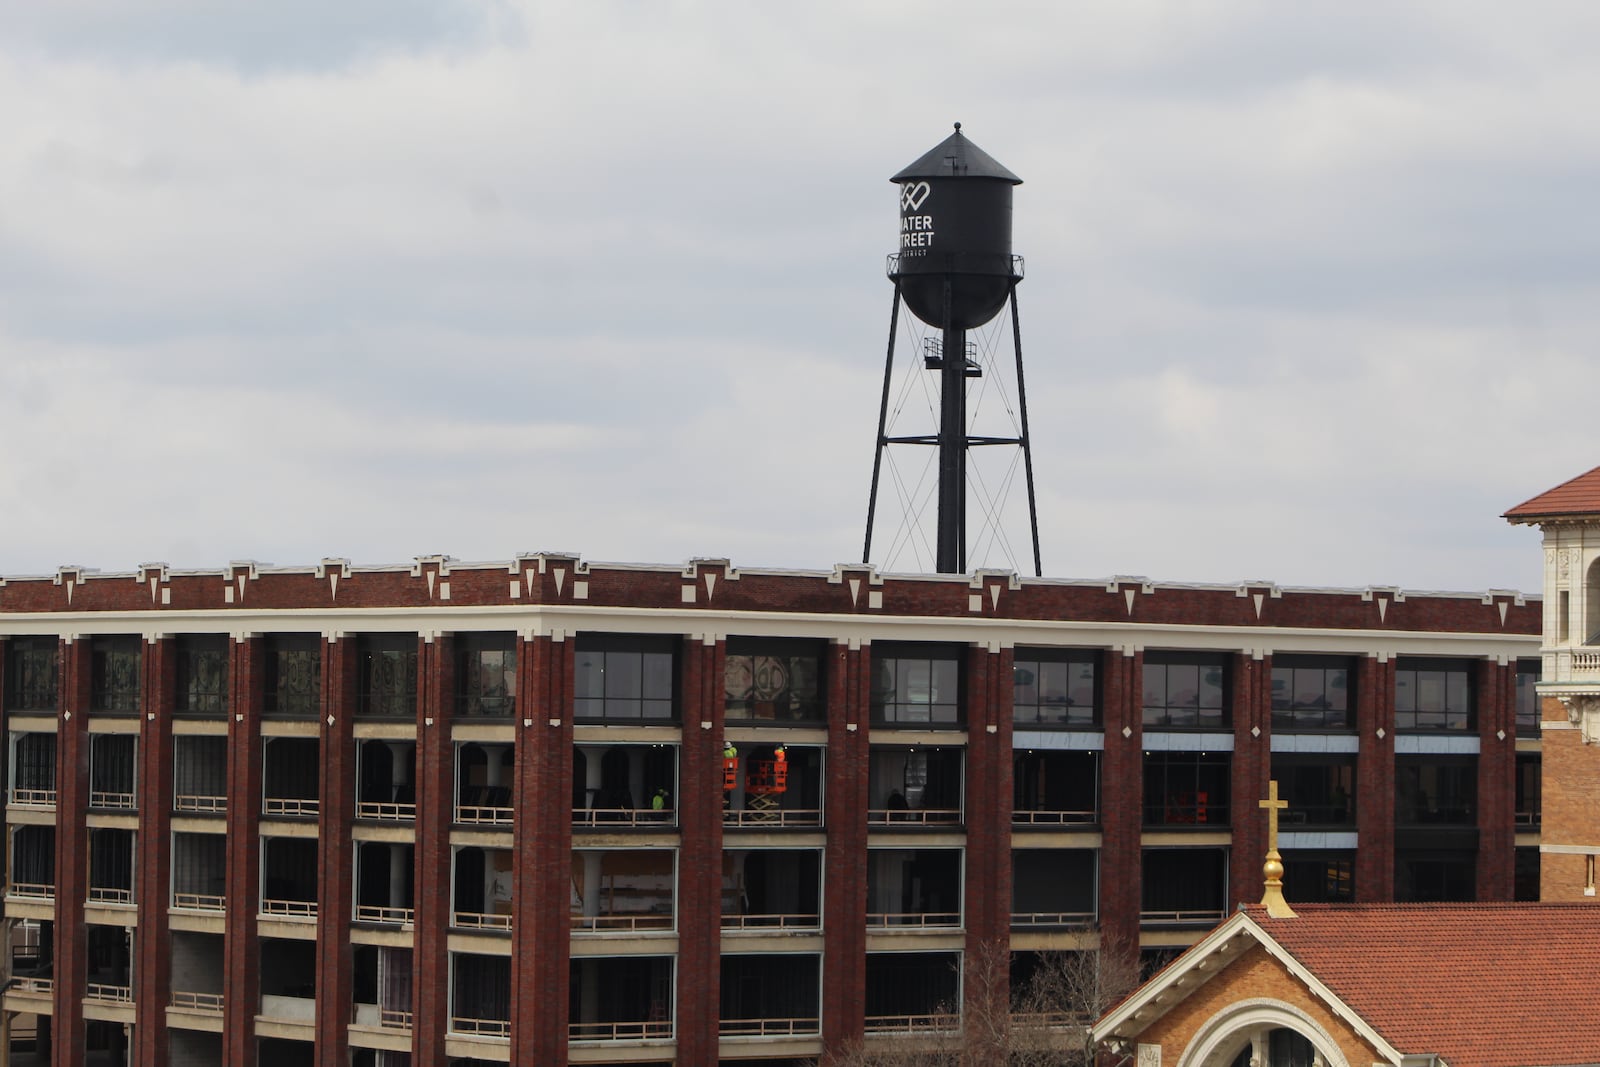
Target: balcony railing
<point>200,901</point>
<point>596,924</point>
<point>102,894</point>
<point>388,811</point>
<point>913,918</point>
<point>32,890</point>
<point>768,1027</point>
<point>479,815</point>
<point>933,1022</point>
<point>210,1003</point>
<point>34,798</point>
<point>774,817</point>
<point>615,817</point>
<point>373,913</point>
<point>200,804</point>
<point>116,994</point>
<point>653,1030</point>
<point>1196,917</point>
<point>480,1027</point>
<point>914,816</point>
<point>31,985</point>
<point>394,1019</point>
<point>1052,918</point>
<point>1054,818</point>
<point>291,806</point>
<point>478,920</point>
<point>299,909</point>
<point>1527,820</point>
<point>771,922</point>
<point>100,798</point>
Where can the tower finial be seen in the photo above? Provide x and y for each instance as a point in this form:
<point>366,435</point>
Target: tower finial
<point>958,127</point>
<point>1272,869</point>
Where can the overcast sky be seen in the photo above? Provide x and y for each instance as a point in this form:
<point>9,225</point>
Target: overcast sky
<point>1312,294</point>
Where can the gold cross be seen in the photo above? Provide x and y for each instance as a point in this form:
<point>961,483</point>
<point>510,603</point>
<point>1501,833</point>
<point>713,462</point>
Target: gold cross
<point>1273,806</point>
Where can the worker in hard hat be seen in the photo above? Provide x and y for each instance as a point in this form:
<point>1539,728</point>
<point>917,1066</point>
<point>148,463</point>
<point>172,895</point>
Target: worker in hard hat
<point>780,755</point>
<point>659,801</point>
<point>730,751</point>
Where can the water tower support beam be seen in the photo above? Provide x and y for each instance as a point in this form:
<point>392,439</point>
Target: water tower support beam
<point>883,423</point>
<point>1027,439</point>
<point>952,534</point>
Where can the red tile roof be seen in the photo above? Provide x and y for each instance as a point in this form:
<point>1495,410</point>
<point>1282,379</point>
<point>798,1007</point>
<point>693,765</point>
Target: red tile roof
<point>1580,496</point>
<point>1483,985</point>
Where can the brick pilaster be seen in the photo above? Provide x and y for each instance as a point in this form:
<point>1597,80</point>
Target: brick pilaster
<point>541,930</point>
<point>152,964</point>
<point>699,899</point>
<point>241,948</point>
<point>1375,780</point>
<point>72,855</point>
<point>1122,800</point>
<point>335,855</point>
<point>1497,771</point>
<point>844,957</point>
<point>987,907</point>
<point>1252,770</point>
<point>435,785</point>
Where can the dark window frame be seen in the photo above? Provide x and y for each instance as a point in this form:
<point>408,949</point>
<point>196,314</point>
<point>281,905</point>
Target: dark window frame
<point>294,675</point>
<point>785,676</point>
<point>894,681</point>
<point>1311,804</point>
<point>202,669</point>
<point>386,673</point>
<point>1454,801</point>
<point>1290,714</point>
<point>1163,671</point>
<point>1527,700</point>
<point>1072,661</point>
<point>33,674</point>
<point>116,665</point>
<point>1187,790</point>
<point>1414,677</point>
<point>485,691</point>
<point>607,665</point>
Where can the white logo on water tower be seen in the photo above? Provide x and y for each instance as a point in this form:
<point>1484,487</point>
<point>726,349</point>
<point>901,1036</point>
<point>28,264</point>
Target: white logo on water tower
<point>912,196</point>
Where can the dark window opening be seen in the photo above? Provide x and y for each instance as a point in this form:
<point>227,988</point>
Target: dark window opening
<point>626,678</point>
<point>485,773</point>
<point>1183,886</point>
<point>33,768</point>
<point>289,876</point>
<point>290,776</point>
<point>1320,790</point>
<point>1187,789</point>
<point>914,786</point>
<point>1434,694</point>
<point>202,675</point>
<point>1312,693</point>
<point>199,871</point>
<point>112,771</point>
<point>294,674</point>
<point>33,673</point>
<point>618,785</point>
<point>486,675</point>
<point>1530,799</point>
<point>1055,788</point>
<point>1436,790</point>
<point>618,998</point>
<point>1053,887</point>
<point>773,994</point>
<point>912,991</point>
<point>384,891</point>
<point>1185,689</point>
<point>774,681</point>
<point>387,676</point>
<point>1526,876</point>
<point>763,791</point>
<point>1424,876</point>
<point>114,674</point>
<point>200,773</point>
<point>1319,877</point>
<point>111,865</point>
<point>1055,688</point>
<point>768,888</point>
<point>1528,671</point>
<point>914,887</point>
<point>917,685</point>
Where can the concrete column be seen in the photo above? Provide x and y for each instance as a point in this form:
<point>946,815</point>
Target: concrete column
<point>593,778</point>
<point>592,888</point>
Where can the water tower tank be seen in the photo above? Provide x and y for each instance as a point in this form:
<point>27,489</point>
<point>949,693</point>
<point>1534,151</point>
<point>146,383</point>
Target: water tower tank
<point>955,228</point>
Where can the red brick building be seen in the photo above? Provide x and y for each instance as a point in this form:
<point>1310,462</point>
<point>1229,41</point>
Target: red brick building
<point>547,811</point>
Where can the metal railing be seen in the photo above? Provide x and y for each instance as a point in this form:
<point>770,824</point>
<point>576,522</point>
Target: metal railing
<point>460,1024</point>
<point>117,994</point>
<point>905,1024</point>
<point>478,815</point>
<point>913,816</point>
<point>768,1027</point>
<point>1527,819</point>
<point>102,894</point>
<point>32,890</point>
<point>1052,918</point>
<point>775,817</point>
<point>394,1018</point>
<point>200,901</point>
<point>203,804</point>
<point>771,922</point>
<point>31,985</point>
<point>375,913</point>
<point>479,920</point>
<point>100,798</point>
<point>294,908</point>
<point>597,924</point>
<point>1198,917</point>
<point>34,798</point>
<point>211,1003</point>
<point>612,817</point>
<point>293,806</point>
<point>913,918</point>
<point>652,1030</point>
<point>1054,818</point>
<point>386,810</point>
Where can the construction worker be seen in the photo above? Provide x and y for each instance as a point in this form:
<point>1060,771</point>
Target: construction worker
<point>659,801</point>
<point>730,750</point>
<point>780,755</point>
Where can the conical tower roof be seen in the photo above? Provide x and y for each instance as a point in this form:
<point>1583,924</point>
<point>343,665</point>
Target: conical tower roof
<point>956,157</point>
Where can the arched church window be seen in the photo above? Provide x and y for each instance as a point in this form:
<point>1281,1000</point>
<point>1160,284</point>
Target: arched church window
<point>1283,1048</point>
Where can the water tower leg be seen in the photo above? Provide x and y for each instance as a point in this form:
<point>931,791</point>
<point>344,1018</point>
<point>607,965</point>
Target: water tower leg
<point>952,539</point>
<point>883,419</point>
<point>1027,439</point>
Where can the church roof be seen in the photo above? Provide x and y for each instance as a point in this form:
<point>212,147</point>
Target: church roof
<point>1577,496</point>
<point>1482,985</point>
<point>1479,985</point>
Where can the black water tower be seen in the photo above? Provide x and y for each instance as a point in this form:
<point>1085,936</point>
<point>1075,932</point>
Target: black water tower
<point>955,272</point>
